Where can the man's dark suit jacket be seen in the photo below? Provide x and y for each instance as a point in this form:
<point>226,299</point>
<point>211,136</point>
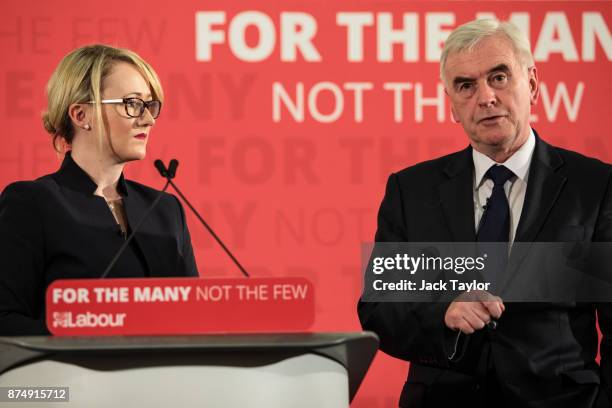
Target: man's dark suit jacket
<point>56,228</point>
<point>544,355</point>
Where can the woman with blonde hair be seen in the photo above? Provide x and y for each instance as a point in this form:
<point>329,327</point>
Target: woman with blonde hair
<point>102,104</point>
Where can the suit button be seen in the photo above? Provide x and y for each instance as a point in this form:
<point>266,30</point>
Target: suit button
<point>477,387</point>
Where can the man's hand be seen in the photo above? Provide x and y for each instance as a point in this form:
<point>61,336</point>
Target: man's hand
<point>472,310</point>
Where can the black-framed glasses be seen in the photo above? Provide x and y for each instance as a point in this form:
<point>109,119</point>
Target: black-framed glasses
<point>135,107</point>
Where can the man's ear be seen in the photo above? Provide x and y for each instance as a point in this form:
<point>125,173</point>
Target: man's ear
<point>80,116</point>
<point>534,85</point>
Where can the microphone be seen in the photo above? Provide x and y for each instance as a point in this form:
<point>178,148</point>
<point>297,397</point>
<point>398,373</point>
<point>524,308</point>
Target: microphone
<point>138,224</point>
<point>484,213</point>
<point>159,165</point>
<point>172,168</point>
<point>169,174</point>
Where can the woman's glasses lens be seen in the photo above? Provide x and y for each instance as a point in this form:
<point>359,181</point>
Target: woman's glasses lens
<point>135,107</point>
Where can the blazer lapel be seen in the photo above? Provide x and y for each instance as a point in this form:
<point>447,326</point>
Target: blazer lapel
<point>543,188</point>
<point>457,198</point>
<point>135,209</point>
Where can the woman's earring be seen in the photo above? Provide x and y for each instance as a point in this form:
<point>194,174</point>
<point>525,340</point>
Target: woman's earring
<point>87,127</point>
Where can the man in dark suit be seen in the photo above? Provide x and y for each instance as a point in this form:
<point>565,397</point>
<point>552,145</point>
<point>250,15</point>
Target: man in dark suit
<point>533,355</point>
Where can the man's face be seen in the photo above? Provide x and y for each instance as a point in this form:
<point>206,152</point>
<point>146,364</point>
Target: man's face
<point>491,94</point>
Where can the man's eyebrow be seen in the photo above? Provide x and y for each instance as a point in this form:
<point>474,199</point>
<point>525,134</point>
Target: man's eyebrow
<point>459,80</point>
<point>500,67</point>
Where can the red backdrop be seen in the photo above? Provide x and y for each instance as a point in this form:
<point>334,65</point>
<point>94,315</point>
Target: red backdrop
<point>288,117</point>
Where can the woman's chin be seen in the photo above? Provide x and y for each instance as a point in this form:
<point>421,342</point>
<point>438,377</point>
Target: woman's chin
<point>133,156</point>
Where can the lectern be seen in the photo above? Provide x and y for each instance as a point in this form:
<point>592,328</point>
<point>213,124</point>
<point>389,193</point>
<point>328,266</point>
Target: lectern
<point>322,370</point>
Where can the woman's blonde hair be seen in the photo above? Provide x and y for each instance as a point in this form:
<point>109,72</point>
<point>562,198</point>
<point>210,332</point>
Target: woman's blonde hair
<point>78,79</point>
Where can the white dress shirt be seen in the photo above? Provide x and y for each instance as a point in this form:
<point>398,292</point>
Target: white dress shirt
<point>515,188</point>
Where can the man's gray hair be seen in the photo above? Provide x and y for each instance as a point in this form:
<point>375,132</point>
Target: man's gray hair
<point>466,36</point>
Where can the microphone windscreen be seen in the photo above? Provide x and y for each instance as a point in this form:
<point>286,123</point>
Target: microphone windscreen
<point>159,165</point>
<point>172,168</point>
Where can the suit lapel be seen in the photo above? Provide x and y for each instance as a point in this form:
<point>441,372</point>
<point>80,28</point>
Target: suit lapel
<point>544,185</point>
<point>135,209</point>
<point>457,198</point>
<point>543,188</point>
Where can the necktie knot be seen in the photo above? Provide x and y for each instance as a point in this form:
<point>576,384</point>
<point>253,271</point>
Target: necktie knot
<point>499,174</point>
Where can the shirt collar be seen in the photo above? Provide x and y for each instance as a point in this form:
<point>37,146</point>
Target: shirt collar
<point>74,177</point>
<point>519,162</point>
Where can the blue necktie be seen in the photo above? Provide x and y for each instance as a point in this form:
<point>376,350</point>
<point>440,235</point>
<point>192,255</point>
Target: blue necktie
<point>495,225</point>
<point>494,232</point>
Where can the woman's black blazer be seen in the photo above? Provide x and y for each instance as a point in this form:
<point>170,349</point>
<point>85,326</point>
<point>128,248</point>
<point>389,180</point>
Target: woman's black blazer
<point>56,228</point>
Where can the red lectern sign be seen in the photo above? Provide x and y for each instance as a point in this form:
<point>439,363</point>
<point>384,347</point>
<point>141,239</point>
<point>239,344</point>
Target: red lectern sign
<point>169,306</point>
